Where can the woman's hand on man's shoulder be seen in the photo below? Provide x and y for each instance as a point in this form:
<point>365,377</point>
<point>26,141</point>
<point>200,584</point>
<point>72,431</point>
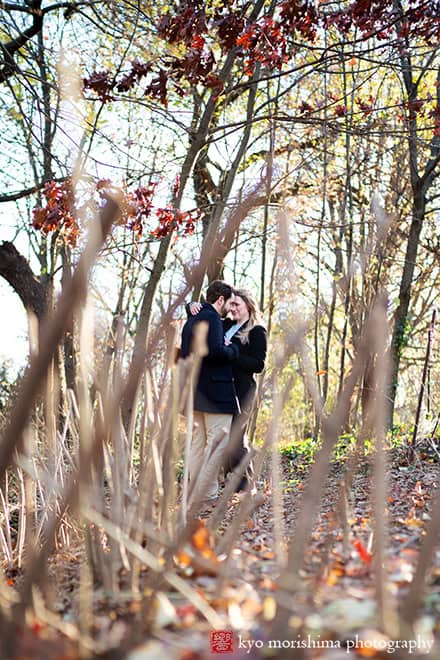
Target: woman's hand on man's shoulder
<point>194,308</point>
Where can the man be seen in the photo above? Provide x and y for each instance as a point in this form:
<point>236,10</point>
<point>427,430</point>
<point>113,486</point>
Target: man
<point>215,399</point>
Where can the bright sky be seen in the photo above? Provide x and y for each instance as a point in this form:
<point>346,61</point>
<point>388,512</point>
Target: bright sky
<point>13,329</point>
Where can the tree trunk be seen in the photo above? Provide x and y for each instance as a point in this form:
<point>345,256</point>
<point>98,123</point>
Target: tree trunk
<point>17,272</point>
<point>401,320</point>
<point>200,131</point>
<point>420,185</point>
<point>210,238</point>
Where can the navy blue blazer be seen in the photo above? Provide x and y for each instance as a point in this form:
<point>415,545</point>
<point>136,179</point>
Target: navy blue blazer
<point>215,391</point>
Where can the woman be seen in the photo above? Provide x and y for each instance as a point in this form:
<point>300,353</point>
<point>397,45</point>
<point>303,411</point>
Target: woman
<point>244,330</point>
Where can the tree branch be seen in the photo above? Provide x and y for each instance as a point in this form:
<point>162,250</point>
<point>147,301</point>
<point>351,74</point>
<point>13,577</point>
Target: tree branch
<point>428,174</point>
<point>13,197</point>
<point>11,6</point>
<point>8,50</point>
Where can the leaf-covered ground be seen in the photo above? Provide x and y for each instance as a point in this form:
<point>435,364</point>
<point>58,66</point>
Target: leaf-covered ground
<point>336,607</point>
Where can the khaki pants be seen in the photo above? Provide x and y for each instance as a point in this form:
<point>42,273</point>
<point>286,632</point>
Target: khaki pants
<point>209,440</point>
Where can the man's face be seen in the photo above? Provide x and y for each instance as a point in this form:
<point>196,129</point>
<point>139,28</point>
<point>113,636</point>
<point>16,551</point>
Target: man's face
<point>226,306</point>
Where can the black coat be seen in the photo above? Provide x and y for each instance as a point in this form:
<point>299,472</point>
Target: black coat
<point>215,391</point>
<point>250,361</point>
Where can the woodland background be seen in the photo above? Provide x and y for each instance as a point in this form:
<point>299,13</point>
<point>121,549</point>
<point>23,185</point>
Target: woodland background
<point>292,148</point>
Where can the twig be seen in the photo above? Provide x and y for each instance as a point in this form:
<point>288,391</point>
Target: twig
<point>422,384</point>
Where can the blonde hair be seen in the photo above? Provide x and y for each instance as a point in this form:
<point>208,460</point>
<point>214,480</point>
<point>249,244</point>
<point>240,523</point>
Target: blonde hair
<point>254,314</point>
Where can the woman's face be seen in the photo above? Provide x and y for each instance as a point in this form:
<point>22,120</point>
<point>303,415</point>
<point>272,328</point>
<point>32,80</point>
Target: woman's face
<point>239,310</point>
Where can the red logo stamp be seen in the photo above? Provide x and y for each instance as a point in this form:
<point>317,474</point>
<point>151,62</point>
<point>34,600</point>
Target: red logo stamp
<point>222,641</point>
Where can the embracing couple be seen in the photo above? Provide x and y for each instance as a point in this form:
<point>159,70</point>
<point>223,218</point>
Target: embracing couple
<point>225,388</point>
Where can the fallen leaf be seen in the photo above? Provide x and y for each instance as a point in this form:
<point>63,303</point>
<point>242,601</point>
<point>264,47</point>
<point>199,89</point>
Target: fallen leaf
<point>335,573</point>
<point>268,584</point>
<point>413,522</point>
<point>268,554</point>
<point>201,538</point>
<point>183,559</point>
<point>269,608</point>
<point>363,552</point>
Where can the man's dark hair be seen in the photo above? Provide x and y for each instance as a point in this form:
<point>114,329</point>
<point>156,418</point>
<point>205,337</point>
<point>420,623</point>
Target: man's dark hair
<point>216,289</point>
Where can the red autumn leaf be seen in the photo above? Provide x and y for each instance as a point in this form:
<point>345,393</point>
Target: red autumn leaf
<point>158,87</point>
<point>341,110</point>
<point>245,40</point>
<point>38,217</point>
<point>102,83</point>
<point>305,108</point>
<point>183,611</point>
<point>415,106</point>
<point>36,627</point>
<point>367,108</point>
<point>213,81</point>
<point>198,42</point>
<point>363,552</point>
<point>135,75</point>
<point>59,212</point>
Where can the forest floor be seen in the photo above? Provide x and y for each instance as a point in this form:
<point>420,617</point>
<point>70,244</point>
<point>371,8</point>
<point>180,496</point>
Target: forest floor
<point>335,613</point>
